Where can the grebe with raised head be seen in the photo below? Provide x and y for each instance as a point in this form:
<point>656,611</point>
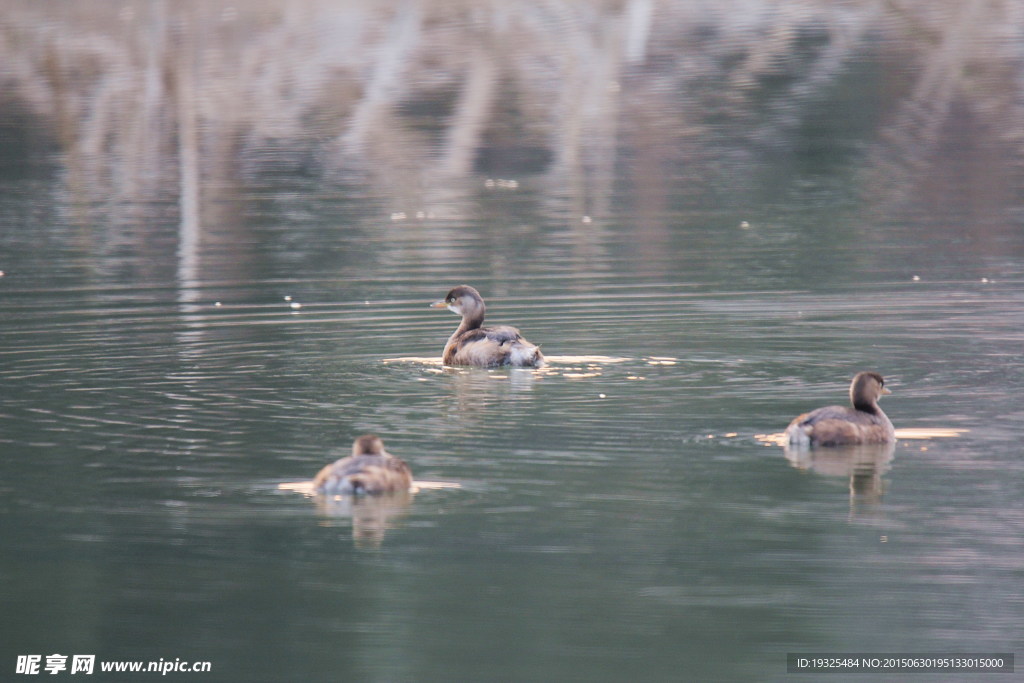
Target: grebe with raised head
<point>863,423</point>
<point>486,347</point>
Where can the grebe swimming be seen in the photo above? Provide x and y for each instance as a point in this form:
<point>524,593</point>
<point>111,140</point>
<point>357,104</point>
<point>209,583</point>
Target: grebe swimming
<point>370,469</point>
<point>864,423</point>
<point>486,347</point>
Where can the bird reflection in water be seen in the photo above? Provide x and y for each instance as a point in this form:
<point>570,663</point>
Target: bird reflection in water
<point>474,391</point>
<point>862,465</point>
<point>371,516</point>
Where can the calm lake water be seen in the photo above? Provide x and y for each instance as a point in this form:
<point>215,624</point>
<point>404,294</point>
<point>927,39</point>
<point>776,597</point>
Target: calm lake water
<point>221,228</point>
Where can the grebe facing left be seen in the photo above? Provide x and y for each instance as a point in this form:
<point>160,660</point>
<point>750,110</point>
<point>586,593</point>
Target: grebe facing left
<point>864,423</point>
<point>485,347</point>
<point>370,469</point>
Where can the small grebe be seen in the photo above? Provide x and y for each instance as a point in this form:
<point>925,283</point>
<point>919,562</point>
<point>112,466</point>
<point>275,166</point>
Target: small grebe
<point>864,423</point>
<point>484,347</point>
<point>370,469</point>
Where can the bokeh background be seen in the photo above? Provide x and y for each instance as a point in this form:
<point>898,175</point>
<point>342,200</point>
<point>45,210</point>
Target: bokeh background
<point>221,225</point>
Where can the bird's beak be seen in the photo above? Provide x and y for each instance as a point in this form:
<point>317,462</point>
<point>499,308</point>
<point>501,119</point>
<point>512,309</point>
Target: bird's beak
<point>886,390</point>
<point>439,304</point>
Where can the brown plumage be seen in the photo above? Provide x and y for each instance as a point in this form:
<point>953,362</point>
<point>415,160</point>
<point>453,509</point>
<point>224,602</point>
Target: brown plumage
<point>486,347</point>
<point>863,423</point>
<point>370,469</point>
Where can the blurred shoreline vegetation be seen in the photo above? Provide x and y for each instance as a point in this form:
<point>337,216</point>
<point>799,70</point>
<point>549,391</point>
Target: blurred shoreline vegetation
<point>418,101</point>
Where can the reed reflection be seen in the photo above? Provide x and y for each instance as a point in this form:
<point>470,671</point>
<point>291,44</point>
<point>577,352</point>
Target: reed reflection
<point>419,102</point>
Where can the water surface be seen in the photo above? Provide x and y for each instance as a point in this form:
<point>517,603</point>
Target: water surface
<point>219,236</point>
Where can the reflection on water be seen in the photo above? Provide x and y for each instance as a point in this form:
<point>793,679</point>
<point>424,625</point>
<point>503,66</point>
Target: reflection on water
<point>863,466</point>
<point>219,225</point>
<point>554,360</point>
<point>637,106</point>
<point>370,516</point>
<point>929,433</point>
<point>470,383</point>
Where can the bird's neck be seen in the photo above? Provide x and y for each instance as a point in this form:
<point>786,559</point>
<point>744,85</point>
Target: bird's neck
<point>470,321</point>
<point>866,406</point>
